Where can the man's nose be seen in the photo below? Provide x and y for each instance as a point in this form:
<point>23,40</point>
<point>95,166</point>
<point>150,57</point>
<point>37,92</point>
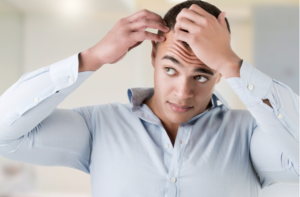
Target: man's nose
<point>183,89</point>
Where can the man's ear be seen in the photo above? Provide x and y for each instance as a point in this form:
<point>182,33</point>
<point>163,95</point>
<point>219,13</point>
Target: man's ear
<point>153,53</point>
<point>219,79</point>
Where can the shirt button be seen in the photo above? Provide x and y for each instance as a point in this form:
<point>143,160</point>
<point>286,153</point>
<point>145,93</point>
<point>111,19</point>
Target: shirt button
<point>166,145</point>
<point>173,180</point>
<point>36,100</point>
<point>280,116</point>
<point>250,87</point>
<point>71,80</point>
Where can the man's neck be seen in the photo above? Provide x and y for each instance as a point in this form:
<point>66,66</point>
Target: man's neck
<point>170,127</point>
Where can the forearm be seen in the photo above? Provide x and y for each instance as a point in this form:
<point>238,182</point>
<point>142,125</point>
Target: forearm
<point>255,88</point>
<point>36,95</point>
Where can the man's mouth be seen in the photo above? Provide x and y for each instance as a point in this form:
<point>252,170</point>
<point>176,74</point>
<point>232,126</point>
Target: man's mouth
<point>179,108</point>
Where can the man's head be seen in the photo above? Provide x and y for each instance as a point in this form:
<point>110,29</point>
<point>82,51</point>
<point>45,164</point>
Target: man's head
<point>180,78</point>
<point>170,16</point>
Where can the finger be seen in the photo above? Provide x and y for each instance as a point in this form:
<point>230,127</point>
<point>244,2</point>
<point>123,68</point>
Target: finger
<point>221,19</point>
<point>185,24</point>
<point>137,44</point>
<point>199,10</point>
<point>145,14</point>
<point>145,35</point>
<point>190,15</point>
<point>148,23</point>
<point>182,36</point>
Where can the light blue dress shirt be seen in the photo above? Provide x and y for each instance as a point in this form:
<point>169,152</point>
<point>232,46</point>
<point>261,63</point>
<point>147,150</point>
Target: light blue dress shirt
<point>221,152</point>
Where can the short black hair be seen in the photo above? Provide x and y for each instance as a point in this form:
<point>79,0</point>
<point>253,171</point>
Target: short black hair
<point>170,16</point>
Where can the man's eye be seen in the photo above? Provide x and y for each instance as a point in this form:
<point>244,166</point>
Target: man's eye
<point>170,71</point>
<point>201,78</point>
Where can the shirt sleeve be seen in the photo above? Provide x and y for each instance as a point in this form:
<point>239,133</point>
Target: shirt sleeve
<point>274,147</point>
<point>33,131</point>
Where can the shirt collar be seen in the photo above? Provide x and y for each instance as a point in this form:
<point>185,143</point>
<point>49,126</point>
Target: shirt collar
<point>136,97</point>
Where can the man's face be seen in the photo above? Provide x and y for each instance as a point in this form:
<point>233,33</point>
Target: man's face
<point>180,79</point>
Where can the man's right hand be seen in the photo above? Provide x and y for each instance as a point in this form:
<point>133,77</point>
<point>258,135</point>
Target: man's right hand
<point>125,35</point>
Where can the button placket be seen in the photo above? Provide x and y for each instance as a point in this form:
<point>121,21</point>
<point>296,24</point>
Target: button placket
<point>179,146</point>
<point>166,145</point>
<point>250,87</point>
<point>173,179</point>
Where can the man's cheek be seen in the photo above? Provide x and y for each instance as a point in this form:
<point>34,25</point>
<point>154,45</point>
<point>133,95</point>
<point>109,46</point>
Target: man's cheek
<point>160,77</point>
<point>202,90</point>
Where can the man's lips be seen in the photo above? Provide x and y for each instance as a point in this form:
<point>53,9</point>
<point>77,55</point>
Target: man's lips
<point>179,108</point>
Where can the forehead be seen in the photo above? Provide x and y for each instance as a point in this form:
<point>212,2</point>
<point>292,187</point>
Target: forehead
<point>178,50</point>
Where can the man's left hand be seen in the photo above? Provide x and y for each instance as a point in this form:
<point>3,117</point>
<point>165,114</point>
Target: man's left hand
<point>209,39</point>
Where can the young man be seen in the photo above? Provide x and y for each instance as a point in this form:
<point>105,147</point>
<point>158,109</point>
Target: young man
<point>170,140</point>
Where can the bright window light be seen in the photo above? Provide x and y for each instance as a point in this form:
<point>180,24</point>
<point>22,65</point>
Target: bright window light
<point>72,8</point>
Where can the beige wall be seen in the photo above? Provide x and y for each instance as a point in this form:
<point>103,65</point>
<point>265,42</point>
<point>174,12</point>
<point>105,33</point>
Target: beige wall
<point>10,45</point>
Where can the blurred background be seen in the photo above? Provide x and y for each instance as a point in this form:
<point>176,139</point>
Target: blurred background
<point>35,33</point>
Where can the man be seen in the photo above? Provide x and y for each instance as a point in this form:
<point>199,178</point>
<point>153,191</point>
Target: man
<point>173,140</point>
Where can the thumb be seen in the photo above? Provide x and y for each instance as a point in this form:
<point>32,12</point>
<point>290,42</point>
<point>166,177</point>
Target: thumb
<point>221,19</point>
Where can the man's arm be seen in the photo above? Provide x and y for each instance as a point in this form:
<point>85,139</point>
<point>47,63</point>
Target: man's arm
<point>127,34</point>
<point>274,147</point>
<point>32,130</point>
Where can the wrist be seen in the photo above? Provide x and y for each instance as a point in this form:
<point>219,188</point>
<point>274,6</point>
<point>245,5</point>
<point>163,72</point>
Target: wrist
<point>232,68</point>
<point>88,62</point>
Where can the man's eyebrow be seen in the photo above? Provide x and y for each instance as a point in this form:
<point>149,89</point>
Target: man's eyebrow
<point>204,70</point>
<point>199,69</point>
<point>174,60</point>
